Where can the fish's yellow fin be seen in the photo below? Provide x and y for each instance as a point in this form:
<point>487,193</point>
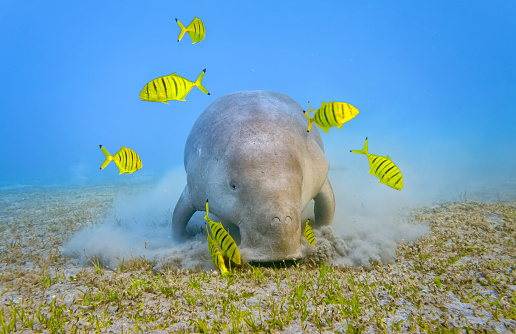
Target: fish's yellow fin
<point>362,151</point>
<point>166,102</point>
<point>324,128</point>
<point>183,30</point>
<point>340,126</point>
<point>199,84</point>
<point>108,157</point>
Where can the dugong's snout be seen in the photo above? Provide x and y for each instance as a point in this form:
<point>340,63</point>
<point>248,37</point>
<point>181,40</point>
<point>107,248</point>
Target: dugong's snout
<point>279,239</point>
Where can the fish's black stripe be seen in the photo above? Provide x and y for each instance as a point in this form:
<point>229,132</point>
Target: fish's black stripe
<point>379,166</point>
<point>183,81</point>
<point>180,89</point>
<point>155,88</point>
<point>374,165</point>
<point>381,172</point>
<point>395,174</point>
<point>387,171</point>
<point>134,160</point>
<point>218,229</point>
<point>222,241</point>
<point>232,255</point>
<point>395,171</point>
<point>326,116</point>
<point>376,157</point>
<point>397,181</point>
<point>317,116</point>
<point>124,159</point>
<point>165,86</point>
<point>175,85</point>
<point>333,114</point>
<point>129,160</point>
<point>121,157</point>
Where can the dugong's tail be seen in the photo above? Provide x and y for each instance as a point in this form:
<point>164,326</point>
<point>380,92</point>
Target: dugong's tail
<point>199,84</point>
<point>362,151</point>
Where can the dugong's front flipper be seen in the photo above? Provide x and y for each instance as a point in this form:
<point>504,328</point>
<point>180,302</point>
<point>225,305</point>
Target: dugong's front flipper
<point>324,205</point>
<point>182,213</point>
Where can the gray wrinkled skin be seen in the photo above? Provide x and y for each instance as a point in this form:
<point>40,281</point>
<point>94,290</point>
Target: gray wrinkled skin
<point>249,153</point>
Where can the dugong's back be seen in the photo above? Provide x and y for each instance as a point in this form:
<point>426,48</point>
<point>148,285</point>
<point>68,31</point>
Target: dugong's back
<point>231,115</point>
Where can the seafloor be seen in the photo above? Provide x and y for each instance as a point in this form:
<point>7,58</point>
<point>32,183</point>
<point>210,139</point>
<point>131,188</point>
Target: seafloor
<point>459,278</point>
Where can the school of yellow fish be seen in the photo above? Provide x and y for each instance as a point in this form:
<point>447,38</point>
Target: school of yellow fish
<point>174,87</point>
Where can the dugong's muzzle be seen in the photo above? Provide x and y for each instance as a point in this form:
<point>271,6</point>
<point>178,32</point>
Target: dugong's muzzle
<point>277,240</point>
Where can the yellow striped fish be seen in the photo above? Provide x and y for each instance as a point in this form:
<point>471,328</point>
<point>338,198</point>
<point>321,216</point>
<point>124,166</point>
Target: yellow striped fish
<point>223,239</point>
<point>331,114</point>
<point>215,253</point>
<point>125,159</point>
<point>383,168</point>
<point>309,235</point>
<point>170,87</point>
<point>195,29</point>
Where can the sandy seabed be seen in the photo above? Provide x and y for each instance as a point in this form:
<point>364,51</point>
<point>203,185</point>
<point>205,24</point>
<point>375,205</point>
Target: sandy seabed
<point>458,278</point>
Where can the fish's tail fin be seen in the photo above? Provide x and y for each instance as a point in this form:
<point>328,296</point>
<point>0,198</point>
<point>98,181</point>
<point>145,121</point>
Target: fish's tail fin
<point>207,216</point>
<point>310,107</point>
<point>362,151</point>
<point>199,84</point>
<point>183,30</point>
<point>108,157</point>
<point>310,119</point>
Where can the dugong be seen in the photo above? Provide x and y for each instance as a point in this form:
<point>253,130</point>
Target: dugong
<point>250,155</point>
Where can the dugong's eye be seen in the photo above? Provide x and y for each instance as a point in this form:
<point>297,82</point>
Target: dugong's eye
<point>232,186</point>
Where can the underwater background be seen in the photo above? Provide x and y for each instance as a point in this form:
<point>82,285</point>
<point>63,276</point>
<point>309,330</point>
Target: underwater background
<point>435,84</point>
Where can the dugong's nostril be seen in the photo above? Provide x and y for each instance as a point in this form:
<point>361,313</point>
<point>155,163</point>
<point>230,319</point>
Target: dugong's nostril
<point>287,220</point>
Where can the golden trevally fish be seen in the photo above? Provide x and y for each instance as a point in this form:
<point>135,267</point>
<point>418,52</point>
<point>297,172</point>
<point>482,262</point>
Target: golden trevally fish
<point>223,239</point>
<point>170,87</point>
<point>309,235</point>
<point>331,114</point>
<point>125,159</point>
<point>383,168</point>
<point>195,29</point>
<point>215,253</point>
